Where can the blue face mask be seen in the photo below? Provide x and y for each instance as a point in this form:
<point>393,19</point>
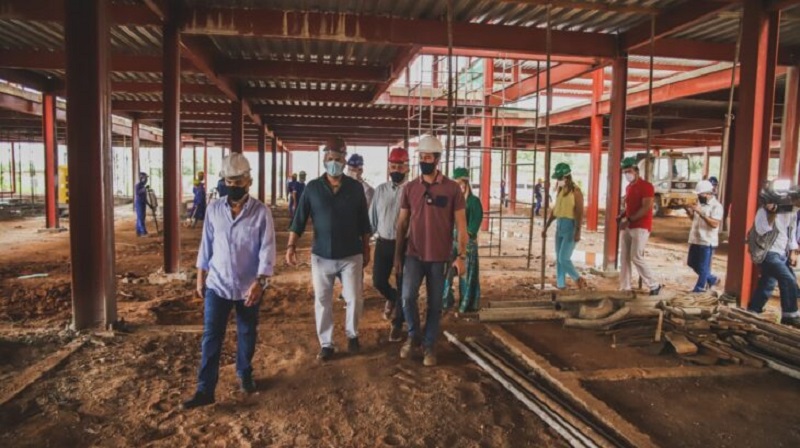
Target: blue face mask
<point>334,168</point>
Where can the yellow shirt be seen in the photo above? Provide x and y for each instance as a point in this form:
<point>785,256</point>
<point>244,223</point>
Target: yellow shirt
<point>565,205</point>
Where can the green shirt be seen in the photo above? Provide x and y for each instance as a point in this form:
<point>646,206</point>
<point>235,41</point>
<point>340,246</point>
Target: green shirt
<point>474,215</point>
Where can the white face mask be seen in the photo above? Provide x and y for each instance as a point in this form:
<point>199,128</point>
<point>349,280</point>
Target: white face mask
<point>561,183</point>
<point>629,177</point>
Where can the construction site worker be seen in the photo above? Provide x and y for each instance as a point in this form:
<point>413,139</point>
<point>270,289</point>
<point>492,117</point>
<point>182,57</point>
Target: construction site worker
<point>636,223</point>
<point>140,205</point>
<point>706,216</point>
<point>568,215</point>
<point>538,195</point>
<point>222,189</point>
<point>775,231</point>
<point>383,217</point>
<point>301,184</point>
<point>234,264</point>
<point>469,285</point>
<point>431,206</point>
<point>291,190</point>
<point>198,210</point>
<point>341,244</point>
<point>355,169</point>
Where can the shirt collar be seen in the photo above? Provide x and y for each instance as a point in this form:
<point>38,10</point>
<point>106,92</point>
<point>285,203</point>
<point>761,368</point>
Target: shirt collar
<point>436,180</point>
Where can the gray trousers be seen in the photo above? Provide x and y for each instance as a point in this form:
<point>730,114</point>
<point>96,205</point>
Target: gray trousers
<point>323,273</point>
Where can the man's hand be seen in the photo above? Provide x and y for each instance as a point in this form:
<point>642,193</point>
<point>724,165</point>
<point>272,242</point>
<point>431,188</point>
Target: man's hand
<point>458,265</point>
<point>253,294</point>
<point>772,208</point>
<point>398,266</point>
<point>200,288</point>
<point>793,258</point>
<point>366,258</point>
<point>577,235</point>
<point>291,256</point>
<point>624,223</point>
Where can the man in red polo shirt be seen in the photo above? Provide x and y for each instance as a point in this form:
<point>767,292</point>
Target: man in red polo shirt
<point>636,223</point>
<point>431,206</point>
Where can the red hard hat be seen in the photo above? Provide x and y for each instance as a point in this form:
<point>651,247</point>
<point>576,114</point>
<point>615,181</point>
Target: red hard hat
<point>398,155</point>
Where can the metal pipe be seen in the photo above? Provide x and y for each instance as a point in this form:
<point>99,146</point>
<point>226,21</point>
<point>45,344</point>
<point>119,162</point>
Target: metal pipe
<point>547,148</point>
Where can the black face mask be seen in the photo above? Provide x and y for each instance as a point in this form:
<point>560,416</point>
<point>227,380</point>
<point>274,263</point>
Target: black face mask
<point>702,199</point>
<point>427,168</point>
<point>397,177</point>
<point>236,193</point>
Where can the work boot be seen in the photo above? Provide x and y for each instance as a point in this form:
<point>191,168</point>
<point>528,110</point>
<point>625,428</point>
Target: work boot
<point>388,310</point>
<point>408,348</point>
<point>325,354</point>
<point>655,291</point>
<point>199,399</point>
<point>247,385</point>
<point>429,357</point>
<point>396,334</point>
<point>792,321</point>
<point>353,346</point>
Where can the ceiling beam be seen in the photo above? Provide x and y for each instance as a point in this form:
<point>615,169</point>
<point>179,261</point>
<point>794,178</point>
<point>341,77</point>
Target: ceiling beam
<point>670,21</point>
<point>328,111</point>
<point>157,106</point>
<point>242,68</point>
<point>283,94</point>
<point>404,57</point>
<point>357,28</point>
<point>53,11</point>
<point>530,85</point>
<point>156,87</point>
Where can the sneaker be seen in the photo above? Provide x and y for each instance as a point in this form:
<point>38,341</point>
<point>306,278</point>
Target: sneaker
<point>199,399</point>
<point>792,321</point>
<point>388,310</point>
<point>655,291</point>
<point>408,348</point>
<point>247,385</point>
<point>352,345</point>
<point>396,334</point>
<point>325,354</point>
<point>714,282</point>
<point>429,358</point>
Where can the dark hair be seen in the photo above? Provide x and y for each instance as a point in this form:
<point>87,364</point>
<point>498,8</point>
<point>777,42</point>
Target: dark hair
<point>569,185</point>
<point>336,144</point>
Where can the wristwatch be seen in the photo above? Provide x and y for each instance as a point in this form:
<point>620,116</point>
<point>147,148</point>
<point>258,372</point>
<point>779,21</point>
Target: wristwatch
<point>263,282</point>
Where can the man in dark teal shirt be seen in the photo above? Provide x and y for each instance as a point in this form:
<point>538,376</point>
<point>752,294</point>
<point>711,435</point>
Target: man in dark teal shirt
<point>338,208</point>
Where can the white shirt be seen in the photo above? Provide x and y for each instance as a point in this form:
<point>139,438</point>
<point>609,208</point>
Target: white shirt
<point>369,192</point>
<point>701,233</point>
<point>384,210</point>
<point>783,221</point>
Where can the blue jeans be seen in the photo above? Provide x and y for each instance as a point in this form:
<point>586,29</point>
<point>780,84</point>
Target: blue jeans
<point>700,261</point>
<point>215,321</point>
<point>774,269</point>
<point>414,270</point>
<point>141,216</point>
<point>565,245</point>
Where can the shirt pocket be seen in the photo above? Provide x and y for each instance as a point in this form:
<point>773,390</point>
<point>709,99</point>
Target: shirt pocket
<point>441,201</point>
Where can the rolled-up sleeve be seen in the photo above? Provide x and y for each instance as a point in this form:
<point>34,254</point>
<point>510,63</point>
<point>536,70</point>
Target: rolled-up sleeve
<point>303,211</point>
<point>762,224</point>
<point>206,244</point>
<point>266,253</point>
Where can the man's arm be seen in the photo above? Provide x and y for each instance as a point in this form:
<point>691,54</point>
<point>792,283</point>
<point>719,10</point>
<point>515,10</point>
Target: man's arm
<point>366,231</point>
<point>764,221</point>
<point>204,255</point>
<point>647,206</point>
<point>373,214</point>
<point>403,218</point>
<point>298,227</point>
<point>578,213</point>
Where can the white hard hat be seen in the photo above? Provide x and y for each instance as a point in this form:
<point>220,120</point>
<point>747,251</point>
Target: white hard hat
<point>704,186</point>
<point>235,165</point>
<point>429,144</point>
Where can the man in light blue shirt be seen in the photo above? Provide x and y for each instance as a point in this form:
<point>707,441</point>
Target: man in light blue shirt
<point>234,264</point>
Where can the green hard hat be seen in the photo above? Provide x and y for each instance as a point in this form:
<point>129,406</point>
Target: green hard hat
<point>461,173</point>
<point>562,169</point>
<point>628,162</point>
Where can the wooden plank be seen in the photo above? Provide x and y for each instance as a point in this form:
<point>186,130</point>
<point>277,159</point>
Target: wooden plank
<point>583,296</point>
<point>521,314</point>
<point>570,386</point>
<point>652,373</point>
<point>498,304</point>
<point>681,344</point>
<point>20,382</point>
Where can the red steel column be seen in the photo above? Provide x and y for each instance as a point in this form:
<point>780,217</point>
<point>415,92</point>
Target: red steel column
<point>706,162</point>
<point>747,165</point>
<point>769,91</point>
<point>435,73</point>
<point>262,163</point>
<point>512,176</point>
<point>283,173</point>
<point>91,204</point>
<point>172,144</point>
<point>595,152</point>
<point>616,150</point>
<point>487,136</point>
<point>134,155</point>
<point>50,160</point>
<point>237,127</point>
<point>273,200</point>
<point>790,127</point>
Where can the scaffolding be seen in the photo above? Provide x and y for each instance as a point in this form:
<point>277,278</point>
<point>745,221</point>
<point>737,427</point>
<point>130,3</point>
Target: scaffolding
<point>471,99</point>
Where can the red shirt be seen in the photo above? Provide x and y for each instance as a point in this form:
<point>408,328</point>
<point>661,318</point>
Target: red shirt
<point>430,235</point>
<point>634,194</point>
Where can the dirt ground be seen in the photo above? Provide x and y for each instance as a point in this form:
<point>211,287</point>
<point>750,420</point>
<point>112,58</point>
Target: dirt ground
<point>124,390</point>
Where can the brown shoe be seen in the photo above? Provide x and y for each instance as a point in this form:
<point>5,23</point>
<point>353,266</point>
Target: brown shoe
<point>396,334</point>
<point>429,357</point>
<point>408,349</point>
<point>582,283</point>
<point>388,310</point>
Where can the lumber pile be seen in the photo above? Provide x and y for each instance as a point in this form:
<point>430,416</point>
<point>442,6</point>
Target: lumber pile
<point>578,306</point>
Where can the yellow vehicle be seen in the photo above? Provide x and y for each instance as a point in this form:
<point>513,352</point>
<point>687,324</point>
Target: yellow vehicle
<point>63,185</point>
<point>673,182</point>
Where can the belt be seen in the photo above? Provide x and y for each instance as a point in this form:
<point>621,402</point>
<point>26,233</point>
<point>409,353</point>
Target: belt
<point>384,240</point>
